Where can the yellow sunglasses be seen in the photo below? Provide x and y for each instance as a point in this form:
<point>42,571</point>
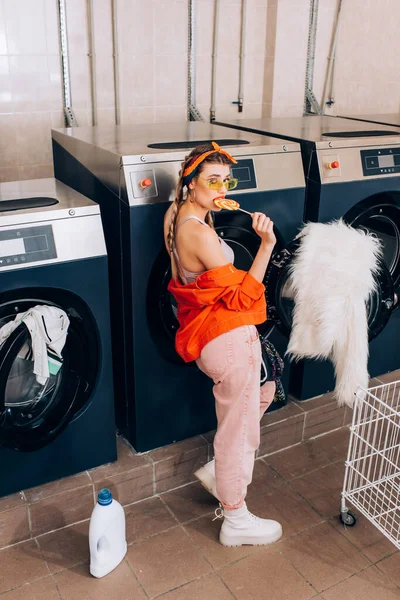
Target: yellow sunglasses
<point>217,184</point>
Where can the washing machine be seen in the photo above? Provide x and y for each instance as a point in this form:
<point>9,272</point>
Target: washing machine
<point>52,252</point>
<point>132,172</point>
<point>352,170</point>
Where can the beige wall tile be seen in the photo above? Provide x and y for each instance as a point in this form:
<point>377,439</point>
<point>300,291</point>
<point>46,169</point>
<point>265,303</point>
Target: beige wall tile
<point>77,27</point>
<point>3,38</point>
<point>203,79</point>
<point>5,85</point>
<point>80,82</point>
<point>171,79</point>
<point>8,141</point>
<point>137,81</point>
<point>171,114</point>
<point>36,171</point>
<point>9,174</point>
<point>105,82</point>
<point>204,27</point>
<point>227,80</point>
<point>170,27</point>
<point>254,79</point>
<point>51,25</point>
<point>137,114</point>
<point>25,27</point>
<point>135,27</point>
<point>102,28</point>
<point>34,138</point>
<point>256,26</point>
<point>229,30</point>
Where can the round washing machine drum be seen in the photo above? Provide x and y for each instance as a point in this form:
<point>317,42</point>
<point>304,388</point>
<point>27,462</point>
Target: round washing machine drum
<point>280,300</point>
<point>32,414</point>
<point>161,307</point>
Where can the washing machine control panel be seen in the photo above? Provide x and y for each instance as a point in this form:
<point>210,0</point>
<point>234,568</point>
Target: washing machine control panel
<point>380,161</point>
<point>26,245</point>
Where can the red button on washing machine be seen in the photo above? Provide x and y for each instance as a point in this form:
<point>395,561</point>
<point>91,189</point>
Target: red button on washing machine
<point>333,165</point>
<point>145,182</point>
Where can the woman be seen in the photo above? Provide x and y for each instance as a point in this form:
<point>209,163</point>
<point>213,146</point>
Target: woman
<point>218,308</point>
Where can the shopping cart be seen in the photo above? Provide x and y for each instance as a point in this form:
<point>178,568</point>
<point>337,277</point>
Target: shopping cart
<point>372,476</point>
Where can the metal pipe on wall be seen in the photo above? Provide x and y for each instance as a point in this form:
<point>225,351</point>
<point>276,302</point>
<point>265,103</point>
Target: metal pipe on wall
<point>214,61</point>
<point>193,112</point>
<point>115,44</point>
<point>92,60</point>
<point>70,119</point>
<point>310,100</point>
<point>330,76</point>
<point>242,55</point>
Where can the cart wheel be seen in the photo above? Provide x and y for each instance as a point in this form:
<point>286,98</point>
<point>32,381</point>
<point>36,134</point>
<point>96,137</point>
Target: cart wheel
<point>348,518</point>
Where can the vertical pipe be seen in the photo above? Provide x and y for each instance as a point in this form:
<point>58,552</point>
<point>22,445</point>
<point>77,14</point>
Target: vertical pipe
<point>115,60</point>
<point>92,60</point>
<point>191,59</point>
<point>330,76</point>
<point>310,101</point>
<point>66,78</point>
<point>214,61</point>
<point>242,55</point>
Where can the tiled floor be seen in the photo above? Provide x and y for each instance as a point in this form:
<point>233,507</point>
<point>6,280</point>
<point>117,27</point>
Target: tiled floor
<point>174,551</point>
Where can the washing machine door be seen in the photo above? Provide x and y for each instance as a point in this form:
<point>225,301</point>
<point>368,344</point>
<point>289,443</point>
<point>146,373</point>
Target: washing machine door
<point>32,414</point>
<point>280,297</point>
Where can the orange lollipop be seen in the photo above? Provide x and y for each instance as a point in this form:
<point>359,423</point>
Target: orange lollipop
<point>229,204</point>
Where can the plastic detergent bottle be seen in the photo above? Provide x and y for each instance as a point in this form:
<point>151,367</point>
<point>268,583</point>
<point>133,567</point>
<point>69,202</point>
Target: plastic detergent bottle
<point>107,539</point>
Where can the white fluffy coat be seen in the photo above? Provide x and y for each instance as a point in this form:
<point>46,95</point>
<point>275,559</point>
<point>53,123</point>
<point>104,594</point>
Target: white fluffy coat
<point>331,280</point>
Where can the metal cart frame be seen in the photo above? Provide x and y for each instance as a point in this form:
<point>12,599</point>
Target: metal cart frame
<point>372,475</point>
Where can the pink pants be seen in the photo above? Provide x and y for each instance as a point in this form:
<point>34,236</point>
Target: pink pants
<point>233,361</point>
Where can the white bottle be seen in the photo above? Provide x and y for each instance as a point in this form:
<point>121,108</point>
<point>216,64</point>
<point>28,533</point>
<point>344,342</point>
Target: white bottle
<point>107,538</point>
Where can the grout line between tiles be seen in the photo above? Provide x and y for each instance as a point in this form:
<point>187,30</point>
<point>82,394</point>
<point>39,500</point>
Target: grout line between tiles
<point>135,576</point>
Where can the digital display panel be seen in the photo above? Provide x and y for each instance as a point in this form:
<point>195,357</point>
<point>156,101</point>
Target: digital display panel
<point>241,173</point>
<point>11,247</point>
<point>386,160</point>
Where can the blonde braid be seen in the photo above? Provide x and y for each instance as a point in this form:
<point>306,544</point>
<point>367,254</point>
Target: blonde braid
<point>175,211</point>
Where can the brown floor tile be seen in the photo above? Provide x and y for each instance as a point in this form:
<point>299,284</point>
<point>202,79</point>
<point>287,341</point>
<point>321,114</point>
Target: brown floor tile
<point>14,526</point>
<point>366,537</point>
<point>147,518</point>
<point>78,584</point>
<point>334,444</point>
<point>129,486</point>
<point>65,548</point>
<point>12,501</point>
<point>21,564</point>
<point>292,409</point>
<point>179,469</point>
<point>367,585</point>
<point>205,534</point>
<point>286,506</point>
<point>389,377</point>
<point>264,478</point>
<point>209,587</point>
<point>127,460</point>
<point>44,589</point>
<point>58,511</point>
<point>323,556</point>
<point>57,487</point>
<point>166,561</point>
<point>281,435</point>
<point>177,449</point>
<point>266,575</point>
<point>391,567</point>
<point>311,455</point>
<point>323,419</point>
<point>190,501</point>
<point>322,489</point>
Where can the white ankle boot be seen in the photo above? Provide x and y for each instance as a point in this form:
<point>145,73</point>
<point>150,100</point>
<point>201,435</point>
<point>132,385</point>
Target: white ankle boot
<point>241,527</point>
<point>206,476</point>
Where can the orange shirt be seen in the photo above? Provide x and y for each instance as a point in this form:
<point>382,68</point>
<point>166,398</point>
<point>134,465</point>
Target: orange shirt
<point>218,301</point>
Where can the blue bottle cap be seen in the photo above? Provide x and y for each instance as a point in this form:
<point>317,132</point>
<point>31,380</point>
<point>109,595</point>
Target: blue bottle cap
<point>104,497</point>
